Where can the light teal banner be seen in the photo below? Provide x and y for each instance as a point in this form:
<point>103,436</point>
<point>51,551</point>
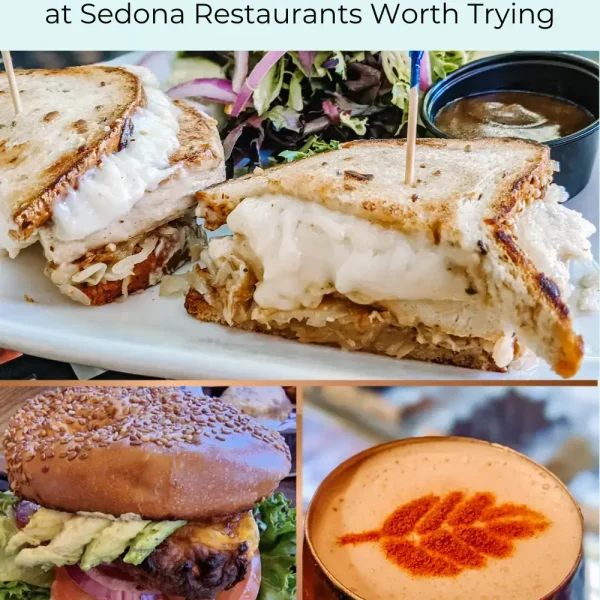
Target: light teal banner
<point>299,24</point>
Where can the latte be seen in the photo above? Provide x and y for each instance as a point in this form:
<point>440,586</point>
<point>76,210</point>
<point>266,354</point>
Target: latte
<point>448,518</point>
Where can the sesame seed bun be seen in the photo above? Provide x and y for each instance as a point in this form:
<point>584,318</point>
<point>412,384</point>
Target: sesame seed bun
<point>159,452</point>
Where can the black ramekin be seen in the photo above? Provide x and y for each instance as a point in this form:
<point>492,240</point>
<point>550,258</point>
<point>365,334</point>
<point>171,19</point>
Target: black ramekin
<point>554,73</point>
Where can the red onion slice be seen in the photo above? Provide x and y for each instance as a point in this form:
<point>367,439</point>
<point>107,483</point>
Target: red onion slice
<point>331,111</point>
<point>254,79</point>
<point>241,70</point>
<point>213,89</point>
<point>104,587</point>
<point>24,511</point>
<point>425,78</point>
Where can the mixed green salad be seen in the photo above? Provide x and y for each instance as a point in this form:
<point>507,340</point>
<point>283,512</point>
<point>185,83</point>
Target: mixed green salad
<point>273,104</point>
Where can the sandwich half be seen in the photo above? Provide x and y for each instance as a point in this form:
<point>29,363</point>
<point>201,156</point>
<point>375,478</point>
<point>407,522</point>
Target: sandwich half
<point>468,267</point>
<point>102,168</point>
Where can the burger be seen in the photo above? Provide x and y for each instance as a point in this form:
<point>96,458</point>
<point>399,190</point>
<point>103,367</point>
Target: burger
<point>143,494</point>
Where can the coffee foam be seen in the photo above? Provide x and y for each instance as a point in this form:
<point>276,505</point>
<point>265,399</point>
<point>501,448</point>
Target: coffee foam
<point>363,496</point>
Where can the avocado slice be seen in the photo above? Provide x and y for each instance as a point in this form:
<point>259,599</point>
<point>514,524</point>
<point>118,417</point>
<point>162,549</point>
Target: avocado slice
<point>44,525</point>
<point>111,543</point>
<point>149,538</point>
<point>67,547</point>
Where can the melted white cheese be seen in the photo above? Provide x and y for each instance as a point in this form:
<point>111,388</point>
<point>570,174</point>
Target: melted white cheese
<point>307,251</point>
<point>109,191</point>
<point>551,235</point>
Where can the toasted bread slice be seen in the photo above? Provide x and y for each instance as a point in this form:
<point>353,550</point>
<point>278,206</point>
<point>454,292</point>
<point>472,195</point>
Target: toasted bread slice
<point>200,157</point>
<point>466,195</point>
<point>454,178</point>
<point>162,214</point>
<point>71,118</point>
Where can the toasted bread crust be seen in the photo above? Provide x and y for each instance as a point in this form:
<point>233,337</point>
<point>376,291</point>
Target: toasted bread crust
<point>470,358</point>
<point>549,315</point>
<point>35,208</point>
<point>198,137</point>
<point>336,180</point>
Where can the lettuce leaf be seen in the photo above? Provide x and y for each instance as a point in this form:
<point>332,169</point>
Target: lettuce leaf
<point>295,100</point>
<point>314,145</point>
<point>359,126</point>
<point>7,501</point>
<point>269,88</point>
<point>318,68</point>
<point>16,582</point>
<point>444,62</point>
<point>277,525</point>
<point>340,68</point>
<point>284,118</point>
<point>17,590</point>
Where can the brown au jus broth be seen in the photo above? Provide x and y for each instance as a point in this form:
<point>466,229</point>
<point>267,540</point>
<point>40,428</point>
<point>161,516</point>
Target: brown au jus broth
<point>525,115</point>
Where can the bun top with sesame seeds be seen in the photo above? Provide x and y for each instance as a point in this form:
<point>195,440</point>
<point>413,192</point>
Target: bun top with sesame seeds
<point>159,452</point>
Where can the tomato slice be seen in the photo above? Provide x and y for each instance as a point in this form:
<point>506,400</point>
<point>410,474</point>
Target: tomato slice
<point>247,589</point>
<point>63,588</point>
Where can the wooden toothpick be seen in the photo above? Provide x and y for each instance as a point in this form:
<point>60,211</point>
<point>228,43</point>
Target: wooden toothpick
<point>12,81</point>
<point>413,111</point>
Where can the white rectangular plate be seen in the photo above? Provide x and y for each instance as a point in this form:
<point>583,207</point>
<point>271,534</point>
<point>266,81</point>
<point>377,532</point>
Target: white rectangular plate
<point>154,336</point>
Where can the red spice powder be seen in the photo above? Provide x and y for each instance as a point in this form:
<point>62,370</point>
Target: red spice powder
<point>359,538</point>
<point>404,520</point>
<point>470,510</point>
<point>436,517</point>
<point>520,530</point>
<point>505,511</point>
<point>441,537</point>
<point>481,540</point>
<point>444,543</point>
<point>416,560</point>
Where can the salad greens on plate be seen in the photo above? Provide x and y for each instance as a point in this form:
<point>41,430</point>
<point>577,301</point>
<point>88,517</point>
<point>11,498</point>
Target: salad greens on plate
<point>278,106</point>
<point>277,526</point>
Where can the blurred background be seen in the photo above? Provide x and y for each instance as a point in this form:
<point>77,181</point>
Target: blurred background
<point>555,426</point>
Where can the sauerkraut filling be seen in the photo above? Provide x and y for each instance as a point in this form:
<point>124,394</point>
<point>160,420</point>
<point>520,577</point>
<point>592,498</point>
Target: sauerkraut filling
<point>120,262</point>
<point>228,284</point>
<point>288,257</point>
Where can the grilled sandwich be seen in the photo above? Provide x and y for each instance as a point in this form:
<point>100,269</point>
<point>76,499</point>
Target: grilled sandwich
<point>101,168</point>
<point>468,267</point>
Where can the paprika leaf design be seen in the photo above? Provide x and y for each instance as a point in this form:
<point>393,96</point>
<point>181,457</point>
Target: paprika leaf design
<point>437,536</point>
